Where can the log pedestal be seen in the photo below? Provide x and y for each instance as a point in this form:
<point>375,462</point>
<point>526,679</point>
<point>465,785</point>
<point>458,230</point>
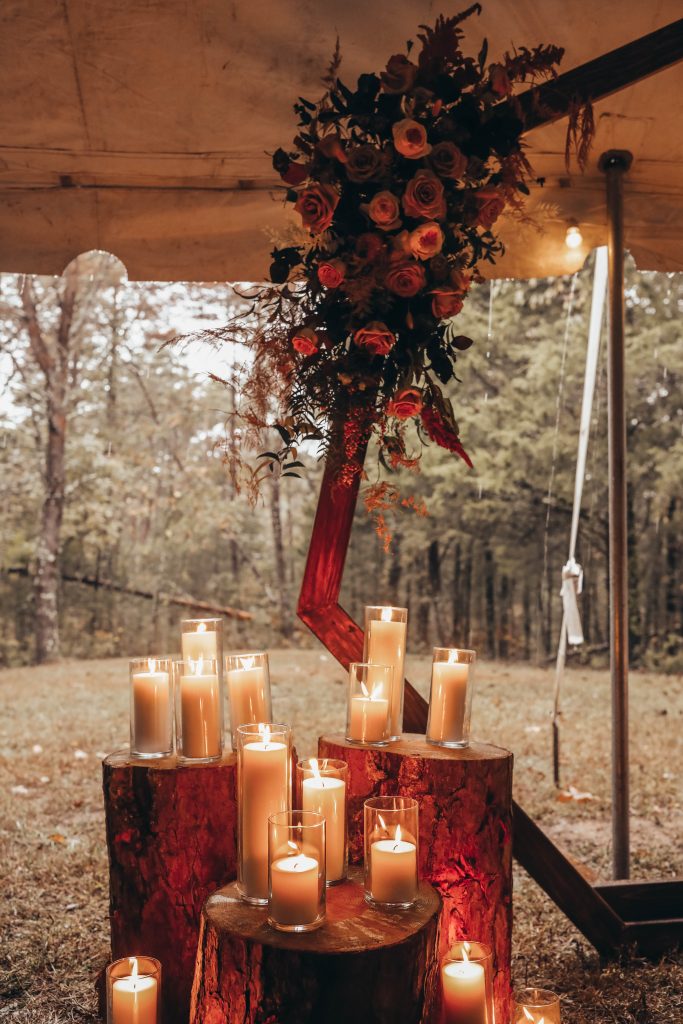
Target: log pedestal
<point>171,836</point>
<point>465,806</point>
<point>363,966</point>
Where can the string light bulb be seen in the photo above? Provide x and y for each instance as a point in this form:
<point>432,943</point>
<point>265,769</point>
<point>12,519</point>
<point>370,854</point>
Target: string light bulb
<point>573,239</point>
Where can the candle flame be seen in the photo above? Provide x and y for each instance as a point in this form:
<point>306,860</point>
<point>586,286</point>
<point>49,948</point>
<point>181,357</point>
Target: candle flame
<point>466,948</point>
<point>248,663</point>
<point>151,664</point>
<point>386,614</point>
<point>397,837</point>
<point>133,960</point>
<point>197,667</point>
<point>376,691</point>
<point>293,846</point>
<point>264,731</point>
<point>201,628</point>
<point>452,657</point>
<point>529,1016</point>
<point>314,768</point>
<point>364,689</point>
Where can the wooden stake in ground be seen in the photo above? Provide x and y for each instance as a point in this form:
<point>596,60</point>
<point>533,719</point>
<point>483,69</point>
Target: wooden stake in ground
<point>171,835</point>
<point>465,807</point>
<point>363,966</point>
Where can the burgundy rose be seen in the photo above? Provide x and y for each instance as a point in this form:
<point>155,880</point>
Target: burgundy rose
<point>365,163</point>
<point>317,204</point>
<point>369,247</point>
<point>446,303</point>
<point>424,197</point>
<point>447,160</point>
<point>331,273</point>
<point>405,277</point>
<point>405,404</point>
<point>375,337</point>
<point>442,434</point>
<point>295,174</point>
<point>399,76</point>
<point>305,341</point>
<point>491,204</point>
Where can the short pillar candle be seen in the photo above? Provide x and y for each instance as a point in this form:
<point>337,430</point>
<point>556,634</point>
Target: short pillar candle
<point>248,681</point>
<point>391,856</point>
<point>450,700</point>
<point>134,991</point>
<point>386,631</point>
<point>296,876</point>
<point>151,707</point>
<point>467,984</point>
<point>368,718</point>
<point>202,638</point>
<point>321,787</point>
<point>536,1006</point>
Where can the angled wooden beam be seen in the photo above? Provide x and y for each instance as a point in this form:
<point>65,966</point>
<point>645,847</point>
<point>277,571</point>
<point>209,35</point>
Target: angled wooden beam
<point>603,76</point>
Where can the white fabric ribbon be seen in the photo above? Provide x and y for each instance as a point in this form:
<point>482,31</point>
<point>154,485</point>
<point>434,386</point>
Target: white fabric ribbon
<point>572,585</point>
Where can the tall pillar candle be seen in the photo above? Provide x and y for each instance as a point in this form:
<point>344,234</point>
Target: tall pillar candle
<point>385,644</point>
<point>202,638</point>
<point>322,789</point>
<point>264,790</point>
<point>248,680</point>
<point>199,706</point>
<point>151,707</point>
<point>450,697</point>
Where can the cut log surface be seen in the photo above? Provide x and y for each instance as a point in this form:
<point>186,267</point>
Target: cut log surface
<point>363,965</point>
<point>171,836</point>
<point>465,808</point>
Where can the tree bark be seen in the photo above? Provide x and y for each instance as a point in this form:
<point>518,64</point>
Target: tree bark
<point>365,965</point>
<point>280,564</point>
<point>171,836</point>
<point>490,590</point>
<point>465,806</point>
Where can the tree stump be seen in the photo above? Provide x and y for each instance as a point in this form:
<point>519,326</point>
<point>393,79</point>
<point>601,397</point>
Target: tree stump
<point>363,965</point>
<point>465,805</point>
<point>172,841</point>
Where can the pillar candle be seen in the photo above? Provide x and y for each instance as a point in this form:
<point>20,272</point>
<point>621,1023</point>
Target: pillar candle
<point>246,689</point>
<point>151,711</point>
<point>387,646</point>
<point>464,993</point>
<point>294,890</point>
<point>200,709</point>
<point>200,644</point>
<point>368,722</point>
<point>327,796</point>
<point>134,999</point>
<point>263,789</point>
<point>393,870</point>
<point>448,701</point>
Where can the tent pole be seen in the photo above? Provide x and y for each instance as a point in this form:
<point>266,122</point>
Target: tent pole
<point>615,163</point>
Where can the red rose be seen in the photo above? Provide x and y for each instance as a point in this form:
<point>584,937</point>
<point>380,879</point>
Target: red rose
<point>405,404</point>
<point>405,277</point>
<point>365,163</point>
<point>500,81</point>
<point>446,302</point>
<point>424,197</point>
<point>491,204</point>
<point>375,337</point>
<point>385,211</point>
<point>442,434</point>
<point>305,341</point>
<point>447,160</point>
<point>369,247</point>
<point>410,139</point>
<point>399,76</point>
<point>331,273</point>
<point>317,204</point>
<point>426,240</point>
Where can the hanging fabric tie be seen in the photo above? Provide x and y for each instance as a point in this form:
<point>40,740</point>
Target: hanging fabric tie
<point>572,585</point>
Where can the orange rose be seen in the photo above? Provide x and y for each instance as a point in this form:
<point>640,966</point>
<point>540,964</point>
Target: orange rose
<point>491,204</point>
<point>410,139</point>
<point>500,81</point>
<point>365,163</point>
<point>424,197</point>
<point>375,337</point>
<point>399,76</point>
<point>447,160</point>
<point>405,277</point>
<point>305,341</point>
<point>331,273</point>
<point>385,211</point>
<point>405,404</point>
<point>426,240</point>
<point>317,204</point>
<point>446,303</point>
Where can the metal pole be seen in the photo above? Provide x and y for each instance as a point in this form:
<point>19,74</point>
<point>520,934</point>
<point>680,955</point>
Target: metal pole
<point>615,163</point>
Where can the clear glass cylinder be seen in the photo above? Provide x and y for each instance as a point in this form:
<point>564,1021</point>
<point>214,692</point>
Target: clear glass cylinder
<point>202,638</point>
<point>134,991</point>
<point>467,984</point>
<point>199,706</point>
<point>247,677</point>
<point>386,631</point>
<point>391,850</point>
<point>450,698</point>
<point>533,1005</point>
<point>368,716</point>
<point>264,788</point>
<point>296,871</point>
<point>151,707</point>
<point>321,786</point>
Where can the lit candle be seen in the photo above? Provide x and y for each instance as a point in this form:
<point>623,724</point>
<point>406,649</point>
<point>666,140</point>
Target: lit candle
<point>202,643</point>
<point>263,790</point>
<point>294,885</point>
<point>532,1018</point>
<point>368,720</point>
<point>200,710</point>
<point>152,710</point>
<point>393,870</point>
<point>387,646</point>
<point>464,992</point>
<point>247,693</point>
<point>448,700</point>
<point>327,796</point>
<point>134,999</point>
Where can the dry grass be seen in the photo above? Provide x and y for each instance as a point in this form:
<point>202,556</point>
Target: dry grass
<point>57,722</point>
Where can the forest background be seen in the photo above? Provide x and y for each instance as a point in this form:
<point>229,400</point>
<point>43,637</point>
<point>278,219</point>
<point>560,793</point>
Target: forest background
<point>117,495</point>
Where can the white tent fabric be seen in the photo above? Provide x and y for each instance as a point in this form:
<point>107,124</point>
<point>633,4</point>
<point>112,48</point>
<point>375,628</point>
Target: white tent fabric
<point>143,128</point>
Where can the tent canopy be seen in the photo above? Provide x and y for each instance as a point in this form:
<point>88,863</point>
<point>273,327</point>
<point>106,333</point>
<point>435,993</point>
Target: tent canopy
<point>144,128</point>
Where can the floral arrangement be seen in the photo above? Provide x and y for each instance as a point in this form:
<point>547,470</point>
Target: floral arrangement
<point>398,184</point>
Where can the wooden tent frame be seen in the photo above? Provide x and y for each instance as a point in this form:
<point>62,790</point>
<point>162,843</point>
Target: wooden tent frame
<point>647,914</point>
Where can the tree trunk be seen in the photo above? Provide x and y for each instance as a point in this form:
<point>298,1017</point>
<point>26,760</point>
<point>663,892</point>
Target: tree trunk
<point>526,612</point>
<point>490,591</point>
<point>285,621</point>
<point>504,624</point>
